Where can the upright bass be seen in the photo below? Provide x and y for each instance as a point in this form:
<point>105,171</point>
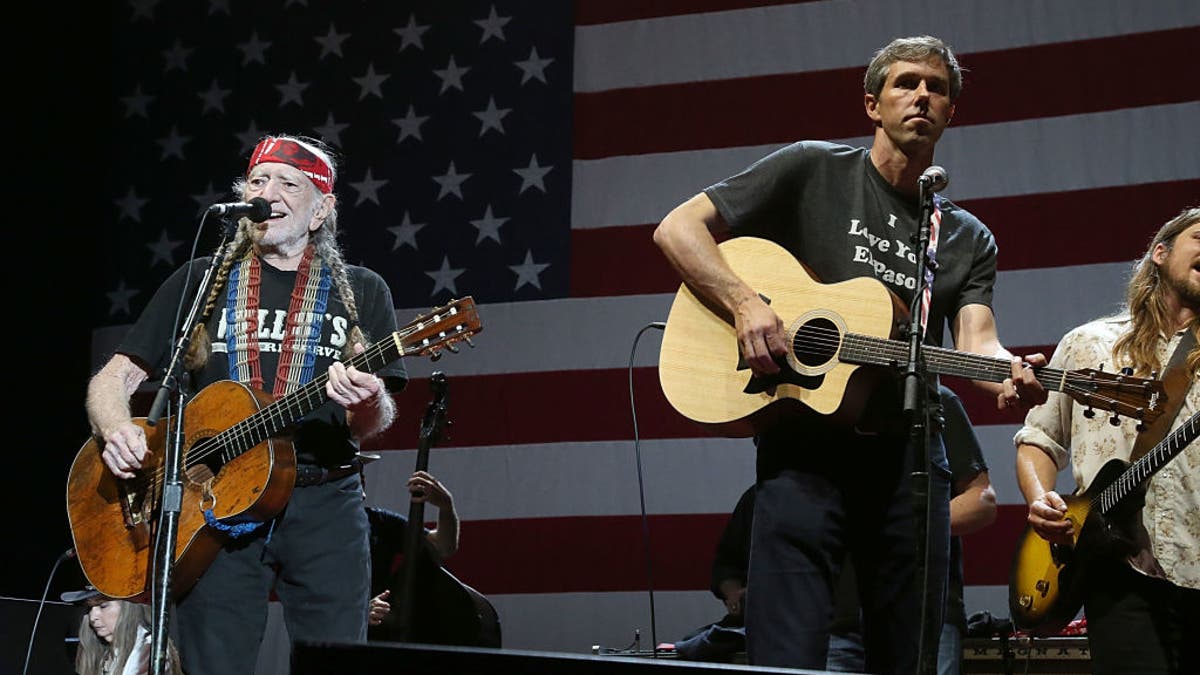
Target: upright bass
<point>433,606</point>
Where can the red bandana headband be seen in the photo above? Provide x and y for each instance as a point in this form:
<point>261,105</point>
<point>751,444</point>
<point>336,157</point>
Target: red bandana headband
<point>271,149</point>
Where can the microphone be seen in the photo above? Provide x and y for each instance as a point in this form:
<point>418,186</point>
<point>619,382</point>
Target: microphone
<point>257,209</point>
<point>934,179</point>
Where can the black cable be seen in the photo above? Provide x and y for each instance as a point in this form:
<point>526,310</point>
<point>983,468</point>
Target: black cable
<point>69,553</point>
<point>637,449</point>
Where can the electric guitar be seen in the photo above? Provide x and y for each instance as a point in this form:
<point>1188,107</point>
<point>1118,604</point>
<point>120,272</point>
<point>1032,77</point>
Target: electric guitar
<point>1046,582</point>
<point>840,338</point>
<point>238,466</point>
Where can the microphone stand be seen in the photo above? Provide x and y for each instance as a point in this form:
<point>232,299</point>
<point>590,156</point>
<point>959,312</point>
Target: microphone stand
<point>916,407</point>
<point>172,491</point>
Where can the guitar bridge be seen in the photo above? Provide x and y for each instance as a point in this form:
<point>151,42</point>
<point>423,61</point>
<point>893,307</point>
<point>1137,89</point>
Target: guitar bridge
<point>137,510</point>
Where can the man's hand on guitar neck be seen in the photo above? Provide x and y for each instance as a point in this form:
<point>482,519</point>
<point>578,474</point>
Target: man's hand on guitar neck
<point>1023,390</point>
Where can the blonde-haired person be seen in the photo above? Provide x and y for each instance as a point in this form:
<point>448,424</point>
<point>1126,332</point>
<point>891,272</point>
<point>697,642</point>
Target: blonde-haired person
<point>1143,614</point>
<point>284,309</point>
<point>115,638</point>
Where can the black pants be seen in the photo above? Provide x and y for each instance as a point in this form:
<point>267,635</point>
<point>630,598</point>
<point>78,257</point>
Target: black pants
<point>854,498</point>
<point>316,561</point>
<point>1139,624</point>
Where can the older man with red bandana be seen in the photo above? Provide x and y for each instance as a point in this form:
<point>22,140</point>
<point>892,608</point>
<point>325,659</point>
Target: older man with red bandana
<point>284,309</point>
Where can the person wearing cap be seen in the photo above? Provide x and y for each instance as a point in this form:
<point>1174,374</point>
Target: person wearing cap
<point>284,308</point>
<point>114,636</point>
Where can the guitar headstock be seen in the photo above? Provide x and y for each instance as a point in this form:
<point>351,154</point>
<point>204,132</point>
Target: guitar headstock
<point>441,329</point>
<point>1135,397</point>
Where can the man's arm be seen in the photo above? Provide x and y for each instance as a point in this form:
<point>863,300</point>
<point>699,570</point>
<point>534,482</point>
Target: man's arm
<point>974,330</point>
<point>974,507</point>
<point>1036,476</point>
<point>109,414</point>
<point>685,236</point>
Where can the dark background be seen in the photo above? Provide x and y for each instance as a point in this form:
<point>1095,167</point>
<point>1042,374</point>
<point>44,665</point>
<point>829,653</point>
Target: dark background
<point>56,212</point>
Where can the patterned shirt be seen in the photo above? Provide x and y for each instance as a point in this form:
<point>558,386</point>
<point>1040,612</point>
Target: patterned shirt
<point>1171,515</point>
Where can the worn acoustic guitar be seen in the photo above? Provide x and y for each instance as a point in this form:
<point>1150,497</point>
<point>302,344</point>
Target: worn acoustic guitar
<point>237,465</point>
<point>840,337</point>
<point>1046,582</point>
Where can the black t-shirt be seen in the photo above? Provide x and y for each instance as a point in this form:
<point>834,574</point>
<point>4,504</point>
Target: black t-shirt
<point>323,436</point>
<point>828,205</point>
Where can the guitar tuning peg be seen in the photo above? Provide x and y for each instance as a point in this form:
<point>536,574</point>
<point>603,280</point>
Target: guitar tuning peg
<point>435,355</point>
<point>1127,371</point>
<point>1089,413</point>
<point>453,349</point>
<point>1141,426</point>
<point>1115,420</point>
<point>470,344</point>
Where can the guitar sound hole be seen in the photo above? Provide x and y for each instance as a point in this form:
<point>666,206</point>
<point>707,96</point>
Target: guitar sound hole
<point>816,342</point>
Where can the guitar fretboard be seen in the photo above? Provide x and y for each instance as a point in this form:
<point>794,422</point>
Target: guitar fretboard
<point>875,351</point>
<point>287,410</point>
<point>443,327</point>
<point>1141,471</point>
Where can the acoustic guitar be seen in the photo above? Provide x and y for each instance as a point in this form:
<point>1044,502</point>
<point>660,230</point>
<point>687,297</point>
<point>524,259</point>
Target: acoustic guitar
<point>1047,581</point>
<point>841,339</point>
<point>238,466</point>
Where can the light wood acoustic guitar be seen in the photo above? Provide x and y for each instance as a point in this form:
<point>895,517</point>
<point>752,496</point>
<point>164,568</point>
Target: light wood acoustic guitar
<point>237,464</point>
<point>1047,581</point>
<point>841,342</point>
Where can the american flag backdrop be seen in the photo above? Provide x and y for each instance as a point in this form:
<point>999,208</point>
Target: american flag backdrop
<point>522,152</point>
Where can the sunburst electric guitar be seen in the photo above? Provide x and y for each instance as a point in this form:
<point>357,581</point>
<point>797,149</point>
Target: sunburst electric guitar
<point>237,464</point>
<point>1046,582</point>
<point>841,339</point>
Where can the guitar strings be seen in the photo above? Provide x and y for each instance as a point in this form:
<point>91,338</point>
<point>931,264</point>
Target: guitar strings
<point>826,341</point>
<point>244,431</point>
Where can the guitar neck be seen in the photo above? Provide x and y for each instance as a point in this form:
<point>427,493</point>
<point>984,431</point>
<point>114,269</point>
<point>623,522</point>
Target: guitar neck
<point>288,409</point>
<point>873,351</point>
<point>1140,471</point>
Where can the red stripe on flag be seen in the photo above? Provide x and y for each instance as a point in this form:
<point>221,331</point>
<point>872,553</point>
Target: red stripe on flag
<point>590,12</point>
<point>575,554</point>
<point>1033,231</point>
<point>780,108</point>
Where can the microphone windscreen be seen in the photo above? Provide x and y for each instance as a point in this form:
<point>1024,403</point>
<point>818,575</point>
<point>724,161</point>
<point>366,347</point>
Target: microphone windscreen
<point>261,210</point>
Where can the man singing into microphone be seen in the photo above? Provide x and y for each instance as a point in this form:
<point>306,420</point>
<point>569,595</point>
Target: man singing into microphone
<point>284,309</point>
<point>827,489</point>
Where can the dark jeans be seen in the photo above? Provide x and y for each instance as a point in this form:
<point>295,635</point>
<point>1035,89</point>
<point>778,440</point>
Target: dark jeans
<point>1138,624</point>
<point>316,560</point>
<point>854,498</point>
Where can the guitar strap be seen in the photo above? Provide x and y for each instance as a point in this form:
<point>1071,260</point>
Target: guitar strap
<point>1176,381</point>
